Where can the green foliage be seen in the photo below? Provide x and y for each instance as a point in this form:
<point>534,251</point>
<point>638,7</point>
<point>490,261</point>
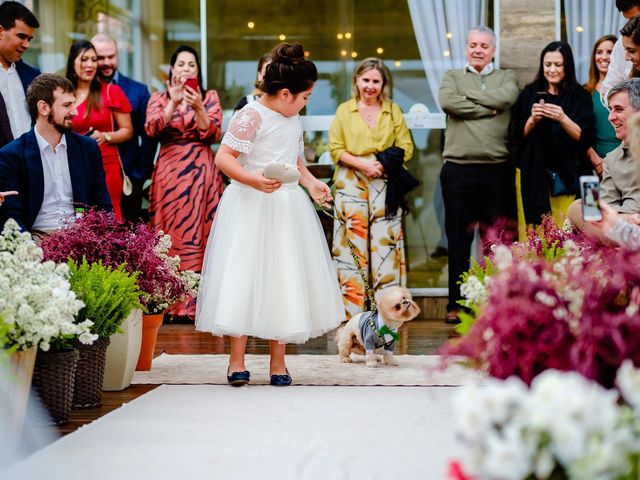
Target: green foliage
<point>478,270</point>
<point>467,319</point>
<point>109,295</point>
<point>550,252</point>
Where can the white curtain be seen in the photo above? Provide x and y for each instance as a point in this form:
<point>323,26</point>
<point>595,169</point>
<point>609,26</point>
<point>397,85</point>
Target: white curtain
<point>588,20</point>
<point>441,28</point>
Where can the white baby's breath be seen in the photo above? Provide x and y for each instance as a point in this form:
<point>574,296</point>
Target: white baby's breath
<point>36,300</point>
<point>512,432</point>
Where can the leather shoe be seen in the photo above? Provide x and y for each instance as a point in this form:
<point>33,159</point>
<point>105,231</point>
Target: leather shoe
<point>238,379</point>
<point>281,380</point>
<point>452,318</point>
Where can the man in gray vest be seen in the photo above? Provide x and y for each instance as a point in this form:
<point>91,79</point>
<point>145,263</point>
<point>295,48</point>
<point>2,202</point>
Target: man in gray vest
<point>478,180</point>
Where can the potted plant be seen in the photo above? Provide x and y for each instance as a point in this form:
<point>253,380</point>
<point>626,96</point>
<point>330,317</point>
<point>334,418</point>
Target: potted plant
<point>174,286</point>
<point>109,296</point>
<point>99,235</point>
<point>39,310</point>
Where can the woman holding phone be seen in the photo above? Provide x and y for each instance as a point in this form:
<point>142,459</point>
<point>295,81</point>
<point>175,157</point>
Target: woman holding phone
<point>186,185</point>
<point>552,127</point>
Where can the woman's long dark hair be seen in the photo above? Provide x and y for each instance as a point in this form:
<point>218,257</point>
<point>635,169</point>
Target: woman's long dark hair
<point>594,73</point>
<point>94,100</point>
<point>569,83</point>
<point>174,59</point>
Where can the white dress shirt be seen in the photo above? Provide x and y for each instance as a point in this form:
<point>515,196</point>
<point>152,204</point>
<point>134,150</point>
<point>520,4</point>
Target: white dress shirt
<point>15,100</point>
<point>618,71</point>
<point>57,204</point>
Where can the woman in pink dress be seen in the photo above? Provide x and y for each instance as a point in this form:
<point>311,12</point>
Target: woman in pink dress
<point>186,185</point>
<point>103,113</point>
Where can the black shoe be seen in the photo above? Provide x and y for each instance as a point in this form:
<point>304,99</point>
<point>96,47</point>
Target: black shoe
<point>238,379</point>
<point>281,380</point>
<point>452,318</point>
<point>440,252</point>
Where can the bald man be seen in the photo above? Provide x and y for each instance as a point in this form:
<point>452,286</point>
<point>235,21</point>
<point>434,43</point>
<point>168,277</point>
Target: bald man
<point>138,153</point>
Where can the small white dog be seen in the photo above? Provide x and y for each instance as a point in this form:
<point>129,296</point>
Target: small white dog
<point>395,306</point>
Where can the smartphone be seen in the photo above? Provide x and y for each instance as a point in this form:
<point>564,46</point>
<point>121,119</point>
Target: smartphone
<point>542,96</point>
<point>192,82</point>
<point>590,193</point>
<point>89,132</point>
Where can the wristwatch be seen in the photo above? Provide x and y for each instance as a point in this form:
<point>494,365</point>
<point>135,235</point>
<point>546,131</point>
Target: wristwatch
<point>107,137</point>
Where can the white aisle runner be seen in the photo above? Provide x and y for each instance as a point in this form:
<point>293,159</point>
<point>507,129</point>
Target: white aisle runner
<point>260,432</point>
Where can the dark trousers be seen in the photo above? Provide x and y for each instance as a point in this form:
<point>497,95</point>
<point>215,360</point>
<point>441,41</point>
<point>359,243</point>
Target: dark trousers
<point>474,194</point>
<point>131,205</point>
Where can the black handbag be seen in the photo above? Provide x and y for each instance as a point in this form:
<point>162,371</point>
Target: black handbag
<point>557,186</point>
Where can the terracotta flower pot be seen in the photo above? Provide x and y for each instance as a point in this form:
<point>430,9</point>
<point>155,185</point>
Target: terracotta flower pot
<point>150,326</point>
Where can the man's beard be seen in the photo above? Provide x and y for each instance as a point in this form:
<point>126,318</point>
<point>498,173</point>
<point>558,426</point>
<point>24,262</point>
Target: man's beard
<point>60,127</point>
<point>104,78</point>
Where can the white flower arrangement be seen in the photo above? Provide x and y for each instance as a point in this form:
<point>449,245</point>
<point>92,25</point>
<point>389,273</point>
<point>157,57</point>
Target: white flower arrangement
<point>36,301</point>
<point>564,425</point>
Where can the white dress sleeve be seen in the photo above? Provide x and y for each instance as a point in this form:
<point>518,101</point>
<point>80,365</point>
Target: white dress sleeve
<point>243,129</point>
<point>618,71</point>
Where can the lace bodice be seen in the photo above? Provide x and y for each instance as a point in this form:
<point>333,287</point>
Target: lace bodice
<point>263,136</point>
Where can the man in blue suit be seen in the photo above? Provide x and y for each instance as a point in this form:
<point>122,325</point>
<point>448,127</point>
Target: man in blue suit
<point>17,27</point>
<point>56,173</point>
<point>137,154</point>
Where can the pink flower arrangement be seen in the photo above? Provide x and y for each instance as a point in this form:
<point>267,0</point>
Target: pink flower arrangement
<point>99,235</point>
<point>559,302</point>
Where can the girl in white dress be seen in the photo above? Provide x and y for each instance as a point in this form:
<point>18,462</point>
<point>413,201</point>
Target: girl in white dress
<point>267,270</point>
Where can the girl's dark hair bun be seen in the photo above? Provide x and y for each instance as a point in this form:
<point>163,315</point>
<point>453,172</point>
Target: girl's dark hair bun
<point>288,53</point>
<point>288,69</point>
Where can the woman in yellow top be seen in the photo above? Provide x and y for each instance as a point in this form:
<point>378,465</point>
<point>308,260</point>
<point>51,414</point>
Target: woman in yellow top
<point>361,134</point>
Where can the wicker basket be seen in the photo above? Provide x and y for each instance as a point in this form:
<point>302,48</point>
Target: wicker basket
<point>90,373</point>
<point>53,379</point>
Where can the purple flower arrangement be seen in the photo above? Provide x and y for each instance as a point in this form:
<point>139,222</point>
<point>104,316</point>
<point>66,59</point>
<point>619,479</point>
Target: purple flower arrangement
<point>99,235</point>
<point>559,302</point>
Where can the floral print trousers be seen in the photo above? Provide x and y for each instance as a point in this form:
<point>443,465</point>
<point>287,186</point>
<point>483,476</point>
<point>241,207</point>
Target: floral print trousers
<point>378,241</point>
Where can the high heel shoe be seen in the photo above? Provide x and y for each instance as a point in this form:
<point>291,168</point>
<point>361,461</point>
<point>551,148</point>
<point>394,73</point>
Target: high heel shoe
<point>238,379</point>
<point>281,380</point>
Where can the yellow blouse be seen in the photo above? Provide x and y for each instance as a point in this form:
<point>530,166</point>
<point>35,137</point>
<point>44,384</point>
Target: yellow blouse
<point>349,132</point>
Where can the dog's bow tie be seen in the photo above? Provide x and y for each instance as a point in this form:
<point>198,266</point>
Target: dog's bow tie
<point>385,330</point>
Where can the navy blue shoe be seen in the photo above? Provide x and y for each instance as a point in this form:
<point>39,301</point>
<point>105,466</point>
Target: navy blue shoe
<point>281,380</point>
<point>238,379</point>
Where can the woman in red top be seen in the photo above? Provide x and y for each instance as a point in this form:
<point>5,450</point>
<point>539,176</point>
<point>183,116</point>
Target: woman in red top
<point>103,113</point>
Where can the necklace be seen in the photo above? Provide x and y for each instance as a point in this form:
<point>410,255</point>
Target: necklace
<point>368,111</point>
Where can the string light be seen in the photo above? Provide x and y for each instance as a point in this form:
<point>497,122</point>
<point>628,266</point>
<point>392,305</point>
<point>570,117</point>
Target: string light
<point>579,29</point>
<point>343,53</point>
<point>251,24</point>
<point>449,35</point>
<point>354,54</point>
<point>397,63</point>
<point>307,53</point>
<point>347,35</point>
<point>446,53</point>
<point>340,36</point>
<point>282,37</point>
<point>379,50</point>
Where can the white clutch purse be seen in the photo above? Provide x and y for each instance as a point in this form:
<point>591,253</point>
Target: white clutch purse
<point>284,172</point>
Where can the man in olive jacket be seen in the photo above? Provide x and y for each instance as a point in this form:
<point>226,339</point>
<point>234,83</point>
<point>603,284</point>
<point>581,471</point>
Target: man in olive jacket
<point>478,180</point>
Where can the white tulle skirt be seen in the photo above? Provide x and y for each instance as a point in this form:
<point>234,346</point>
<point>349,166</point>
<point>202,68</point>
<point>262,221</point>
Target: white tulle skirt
<point>267,269</point>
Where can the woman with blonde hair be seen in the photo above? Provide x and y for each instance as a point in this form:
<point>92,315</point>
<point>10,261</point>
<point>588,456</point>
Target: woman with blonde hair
<point>369,141</point>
